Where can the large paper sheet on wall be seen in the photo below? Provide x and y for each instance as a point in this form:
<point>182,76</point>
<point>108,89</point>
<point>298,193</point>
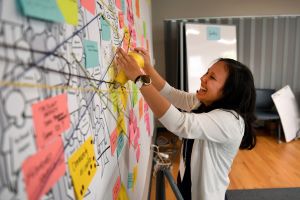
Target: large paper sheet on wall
<point>66,131</point>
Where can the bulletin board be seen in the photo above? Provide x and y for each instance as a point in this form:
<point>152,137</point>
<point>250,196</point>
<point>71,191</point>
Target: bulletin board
<point>67,130</point>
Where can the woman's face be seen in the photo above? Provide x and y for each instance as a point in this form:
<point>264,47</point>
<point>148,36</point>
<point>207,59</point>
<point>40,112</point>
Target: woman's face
<point>212,83</point>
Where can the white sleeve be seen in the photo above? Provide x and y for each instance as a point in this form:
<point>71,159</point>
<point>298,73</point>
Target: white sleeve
<point>216,126</point>
<point>180,99</point>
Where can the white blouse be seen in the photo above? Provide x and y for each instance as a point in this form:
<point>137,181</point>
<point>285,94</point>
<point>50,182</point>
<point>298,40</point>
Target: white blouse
<point>217,135</point>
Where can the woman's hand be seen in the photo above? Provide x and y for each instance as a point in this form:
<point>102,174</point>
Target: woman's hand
<point>146,57</point>
<point>128,64</point>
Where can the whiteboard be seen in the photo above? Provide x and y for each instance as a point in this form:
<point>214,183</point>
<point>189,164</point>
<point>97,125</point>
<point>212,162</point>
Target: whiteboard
<point>288,110</point>
<point>65,131</point>
<point>204,44</point>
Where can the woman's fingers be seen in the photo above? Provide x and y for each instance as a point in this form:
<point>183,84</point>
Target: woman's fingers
<point>141,50</point>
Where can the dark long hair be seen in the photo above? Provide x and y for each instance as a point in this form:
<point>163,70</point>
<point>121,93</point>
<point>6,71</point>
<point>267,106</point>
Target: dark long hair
<point>238,95</point>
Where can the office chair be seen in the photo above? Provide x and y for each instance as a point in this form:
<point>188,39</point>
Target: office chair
<point>265,109</point>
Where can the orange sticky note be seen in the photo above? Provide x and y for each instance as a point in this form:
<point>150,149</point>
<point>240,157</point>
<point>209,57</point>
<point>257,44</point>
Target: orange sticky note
<point>90,5</point>
<point>141,106</point>
<point>50,117</point>
<point>121,20</point>
<point>83,167</point>
<point>113,141</point>
<point>147,45</point>
<point>116,188</point>
<point>136,138</point>
<point>42,170</point>
<point>138,153</point>
<point>137,8</point>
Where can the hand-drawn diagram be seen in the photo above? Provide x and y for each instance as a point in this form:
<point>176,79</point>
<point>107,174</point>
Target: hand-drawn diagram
<point>41,62</point>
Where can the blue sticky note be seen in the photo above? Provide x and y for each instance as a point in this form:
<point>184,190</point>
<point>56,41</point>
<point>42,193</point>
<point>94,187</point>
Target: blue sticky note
<point>130,181</point>
<point>41,9</point>
<point>105,30</point>
<point>123,6</point>
<point>213,33</point>
<point>91,53</point>
<point>120,144</point>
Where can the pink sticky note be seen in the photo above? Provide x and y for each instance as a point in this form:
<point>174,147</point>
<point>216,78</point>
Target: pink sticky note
<point>131,134</point>
<point>129,3</point>
<point>146,107</point>
<point>141,106</point>
<point>116,188</point>
<point>147,121</point>
<point>135,124</point>
<point>136,138</point>
<point>118,4</point>
<point>131,115</point>
<point>113,141</point>
<point>138,153</point>
<point>50,117</point>
<point>42,170</point>
<point>90,5</point>
<point>130,17</point>
<point>121,20</point>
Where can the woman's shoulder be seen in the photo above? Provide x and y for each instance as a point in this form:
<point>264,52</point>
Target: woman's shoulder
<point>227,115</point>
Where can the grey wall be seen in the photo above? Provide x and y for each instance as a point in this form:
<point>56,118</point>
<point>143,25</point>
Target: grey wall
<point>179,9</point>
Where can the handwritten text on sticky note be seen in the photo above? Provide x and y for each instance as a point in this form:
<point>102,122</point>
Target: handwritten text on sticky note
<point>82,166</point>
<point>91,53</point>
<point>42,170</point>
<point>51,117</point>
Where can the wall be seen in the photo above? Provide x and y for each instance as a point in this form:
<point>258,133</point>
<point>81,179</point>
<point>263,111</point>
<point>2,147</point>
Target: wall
<point>177,9</point>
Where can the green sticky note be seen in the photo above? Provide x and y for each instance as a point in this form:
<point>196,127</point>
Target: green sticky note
<point>105,30</point>
<point>69,9</point>
<point>213,33</point>
<point>91,53</point>
<point>45,10</point>
<point>135,92</point>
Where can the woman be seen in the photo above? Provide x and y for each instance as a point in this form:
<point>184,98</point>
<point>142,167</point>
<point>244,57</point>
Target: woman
<point>223,110</point>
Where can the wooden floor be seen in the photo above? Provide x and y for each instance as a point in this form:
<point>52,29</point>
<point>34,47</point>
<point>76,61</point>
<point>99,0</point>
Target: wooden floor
<point>268,165</point>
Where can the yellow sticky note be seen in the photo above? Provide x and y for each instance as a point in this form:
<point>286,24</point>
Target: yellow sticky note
<point>69,9</point>
<point>121,123</point>
<point>124,97</point>
<point>135,173</point>
<point>82,166</point>
<point>123,193</point>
